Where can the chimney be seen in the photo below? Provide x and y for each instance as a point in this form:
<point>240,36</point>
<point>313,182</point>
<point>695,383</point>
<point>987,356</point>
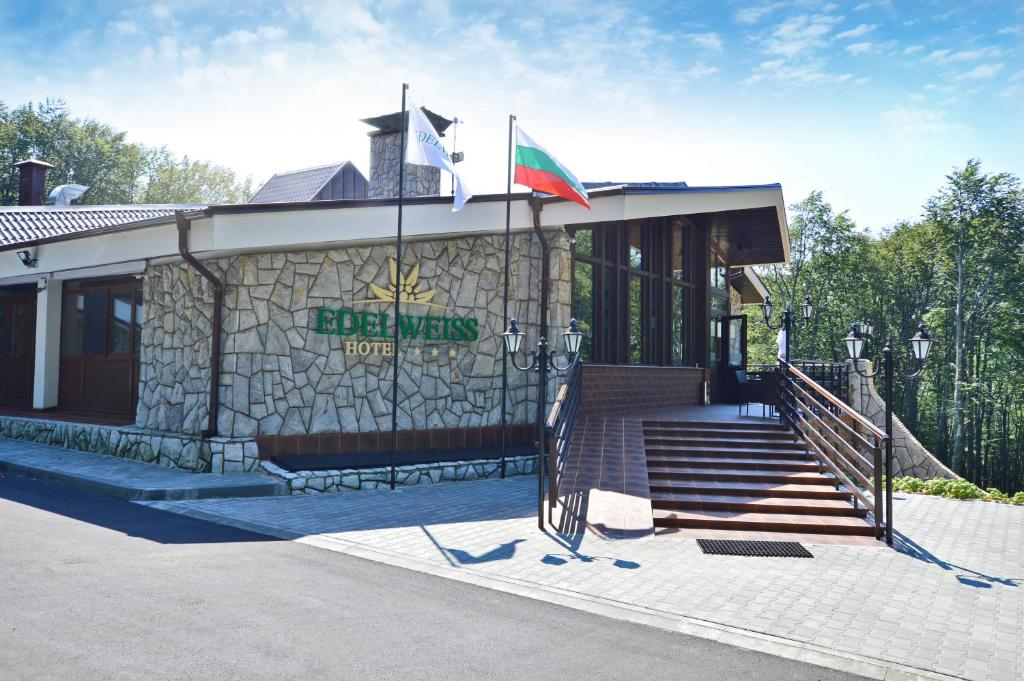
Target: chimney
<point>385,142</point>
<point>32,186</point>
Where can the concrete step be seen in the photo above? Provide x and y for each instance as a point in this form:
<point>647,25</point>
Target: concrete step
<point>762,522</point>
<point>753,464</point>
<point>717,425</point>
<point>127,478</point>
<point>731,475</point>
<point>724,443</point>
<point>755,504</point>
<point>726,452</point>
<point>749,489</point>
<point>718,434</point>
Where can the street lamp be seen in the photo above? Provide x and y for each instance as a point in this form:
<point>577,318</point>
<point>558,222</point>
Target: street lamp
<point>920,346</point>
<point>542,360</point>
<point>806,311</point>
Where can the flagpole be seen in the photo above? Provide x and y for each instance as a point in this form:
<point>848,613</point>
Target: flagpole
<point>398,290</point>
<point>504,350</point>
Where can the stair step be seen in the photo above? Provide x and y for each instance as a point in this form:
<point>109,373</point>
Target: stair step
<point>756,504</point>
<point>725,446</point>
<point>716,425</point>
<point>720,434</point>
<point>722,453</point>
<point>732,463</point>
<point>749,489</point>
<point>723,443</point>
<point>737,475</point>
<point>763,522</point>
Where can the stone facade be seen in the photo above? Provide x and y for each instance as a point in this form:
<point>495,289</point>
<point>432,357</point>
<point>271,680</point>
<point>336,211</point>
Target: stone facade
<point>910,457</point>
<point>173,450</point>
<point>353,480</point>
<point>385,150</point>
<point>280,377</point>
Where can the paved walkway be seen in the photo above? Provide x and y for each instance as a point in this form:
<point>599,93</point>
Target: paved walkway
<point>950,600</point>
<point>127,478</point>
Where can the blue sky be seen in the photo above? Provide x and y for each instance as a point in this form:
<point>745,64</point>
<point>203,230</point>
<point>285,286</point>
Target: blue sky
<point>872,102</point>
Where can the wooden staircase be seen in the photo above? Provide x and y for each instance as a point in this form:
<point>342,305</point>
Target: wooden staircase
<point>751,477</point>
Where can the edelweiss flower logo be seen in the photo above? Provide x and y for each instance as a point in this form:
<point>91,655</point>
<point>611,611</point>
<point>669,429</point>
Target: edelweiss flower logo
<point>408,286</point>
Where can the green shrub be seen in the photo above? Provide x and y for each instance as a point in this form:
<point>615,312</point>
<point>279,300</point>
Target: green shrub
<point>908,484</point>
<point>937,486</point>
<point>953,489</point>
<point>997,496</point>
<point>961,489</point>
<point>1018,498</point>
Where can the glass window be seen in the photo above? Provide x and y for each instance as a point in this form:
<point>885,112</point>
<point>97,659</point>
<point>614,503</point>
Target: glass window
<point>22,331</point>
<point>583,242</point>
<point>678,325</point>
<point>636,318</point>
<point>121,323</point>
<point>678,252</point>
<point>583,305</point>
<point>138,319</point>
<point>72,325</point>
<point>636,253</point>
<point>715,341</point>
<point>719,304</point>
<point>3,329</point>
<point>736,342</point>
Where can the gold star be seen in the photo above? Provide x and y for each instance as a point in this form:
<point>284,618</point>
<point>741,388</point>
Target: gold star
<point>452,353</point>
<point>433,352</point>
<point>417,352</point>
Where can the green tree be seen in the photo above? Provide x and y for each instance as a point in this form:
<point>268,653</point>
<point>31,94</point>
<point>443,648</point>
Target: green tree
<point>94,154</point>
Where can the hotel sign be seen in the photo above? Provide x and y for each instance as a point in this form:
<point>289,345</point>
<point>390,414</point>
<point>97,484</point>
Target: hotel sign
<point>367,332</point>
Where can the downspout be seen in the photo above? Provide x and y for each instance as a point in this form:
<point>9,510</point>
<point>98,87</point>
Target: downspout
<point>545,265</point>
<point>184,227</point>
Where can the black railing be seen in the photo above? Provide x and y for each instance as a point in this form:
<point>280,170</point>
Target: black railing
<point>846,444</point>
<point>561,424</point>
<point>831,376</point>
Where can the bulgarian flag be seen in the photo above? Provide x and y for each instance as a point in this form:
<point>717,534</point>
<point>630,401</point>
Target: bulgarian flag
<point>539,170</point>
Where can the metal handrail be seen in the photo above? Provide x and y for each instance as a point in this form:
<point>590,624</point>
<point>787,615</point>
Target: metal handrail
<point>850,451</point>
<point>561,423</point>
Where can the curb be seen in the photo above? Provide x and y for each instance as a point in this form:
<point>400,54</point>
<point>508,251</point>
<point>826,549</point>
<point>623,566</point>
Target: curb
<point>130,493</point>
<point>872,668</point>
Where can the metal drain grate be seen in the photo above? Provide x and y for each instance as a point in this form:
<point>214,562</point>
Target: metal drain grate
<point>763,549</point>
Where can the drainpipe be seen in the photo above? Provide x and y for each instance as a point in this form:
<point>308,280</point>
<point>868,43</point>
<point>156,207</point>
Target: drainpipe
<point>184,227</point>
<point>545,265</point>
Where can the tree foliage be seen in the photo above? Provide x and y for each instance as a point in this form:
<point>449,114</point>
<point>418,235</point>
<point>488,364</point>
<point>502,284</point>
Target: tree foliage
<point>94,154</point>
<point>960,269</point>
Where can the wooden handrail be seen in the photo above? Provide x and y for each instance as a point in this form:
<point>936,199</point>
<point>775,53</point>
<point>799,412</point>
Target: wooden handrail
<point>838,421</point>
<point>836,402</point>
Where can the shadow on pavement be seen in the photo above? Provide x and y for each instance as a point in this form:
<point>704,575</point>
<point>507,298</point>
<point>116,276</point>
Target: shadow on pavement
<point>972,578</point>
<point>119,515</point>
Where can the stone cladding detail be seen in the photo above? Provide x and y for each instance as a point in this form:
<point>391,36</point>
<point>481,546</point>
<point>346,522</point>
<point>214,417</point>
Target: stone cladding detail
<point>385,151</point>
<point>910,457</point>
<point>173,450</point>
<point>352,480</point>
<point>280,377</point>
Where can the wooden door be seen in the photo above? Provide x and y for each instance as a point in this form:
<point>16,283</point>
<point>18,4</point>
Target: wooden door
<point>17,348</point>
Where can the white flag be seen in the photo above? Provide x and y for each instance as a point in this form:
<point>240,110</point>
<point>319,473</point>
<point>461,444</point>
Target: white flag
<point>424,148</point>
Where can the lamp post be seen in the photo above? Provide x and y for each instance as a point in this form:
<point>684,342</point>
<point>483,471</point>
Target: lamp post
<point>920,346</point>
<point>542,360</point>
<point>806,311</point>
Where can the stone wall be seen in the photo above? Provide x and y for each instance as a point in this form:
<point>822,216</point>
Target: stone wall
<point>385,150</point>
<point>910,457</point>
<point>280,377</point>
<point>174,450</point>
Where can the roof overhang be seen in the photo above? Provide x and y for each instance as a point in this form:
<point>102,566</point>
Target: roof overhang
<point>749,285</point>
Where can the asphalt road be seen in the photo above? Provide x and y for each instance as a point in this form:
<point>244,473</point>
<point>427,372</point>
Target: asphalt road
<point>97,588</point>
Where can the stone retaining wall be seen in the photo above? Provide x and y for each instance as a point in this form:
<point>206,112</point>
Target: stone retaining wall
<point>173,450</point>
<point>351,480</point>
<point>910,457</point>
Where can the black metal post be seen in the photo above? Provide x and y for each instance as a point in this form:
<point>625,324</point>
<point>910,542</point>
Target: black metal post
<point>398,292</point>
<point>543,357</point>
<point>504,323</point>
<point>889,370</point>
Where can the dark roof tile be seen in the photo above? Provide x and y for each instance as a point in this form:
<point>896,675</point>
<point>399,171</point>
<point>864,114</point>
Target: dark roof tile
<point>23,224</point>
<point>296,185</point>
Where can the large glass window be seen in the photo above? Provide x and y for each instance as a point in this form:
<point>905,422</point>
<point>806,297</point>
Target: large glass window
<point>583,305</point>
<point>636,319</point>
<point>678,325</point>
<point>121,323</point>
<point>4,334</point>
<point>72,325</point>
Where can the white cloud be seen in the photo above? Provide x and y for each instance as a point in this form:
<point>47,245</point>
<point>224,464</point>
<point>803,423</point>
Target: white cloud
<point>947,56</point>
<point>123,27</point>
<point>241,37</point>
<point>856,32</point>
<point>1010,30</point>
<point>859,48</point>
<point>913,49</point>
<point>700,70</point>
<point>917,122</point>
<point>800,34</point>
<point>807,72</point>
<point>754,13</point>
<point>983,72</point>
<point>709,41</point>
